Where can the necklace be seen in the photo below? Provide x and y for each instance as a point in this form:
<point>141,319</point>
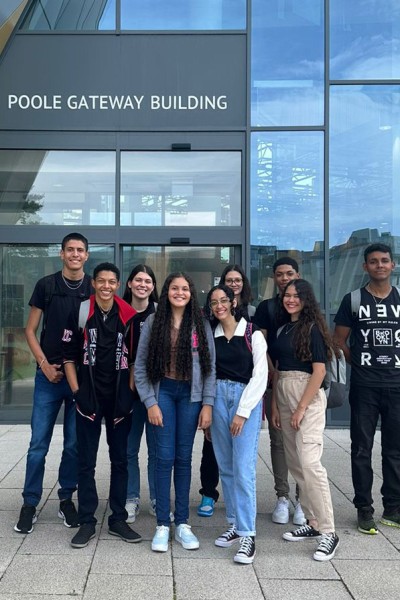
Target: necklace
<point>288,329</point>
<point>76,285</point>
<point>105,313</point>
<point>377,299</point>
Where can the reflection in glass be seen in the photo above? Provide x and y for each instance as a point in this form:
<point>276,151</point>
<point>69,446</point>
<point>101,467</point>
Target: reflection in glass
<point>181,189</point>
<point>286,205</point>
<point>70,15</point>
<point>364,39</point>
<point>39,187</point>
<point>203,264</point>
<point>287,69</point>
<point>364,182</point>
<point>183,14</point>
<point>21,266</point>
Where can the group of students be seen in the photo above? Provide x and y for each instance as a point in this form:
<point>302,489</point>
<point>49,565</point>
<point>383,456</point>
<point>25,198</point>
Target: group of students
<point>188,368</point>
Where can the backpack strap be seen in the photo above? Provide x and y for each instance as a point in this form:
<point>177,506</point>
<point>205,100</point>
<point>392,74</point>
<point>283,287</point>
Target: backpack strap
<point>248,332</point>
<point>83,313</point>
<point>355,301</point>
<point>279,331</point>
<point>49,291</point>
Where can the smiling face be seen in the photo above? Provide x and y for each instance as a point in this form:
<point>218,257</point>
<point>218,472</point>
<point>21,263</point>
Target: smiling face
<point>221,305</point>
<point>179,293</point>
<point>234,280</point>
<point>141,285</point>
<point>379,266</point>
<point>283,274</point>
<point>105,286</point>
<point>292,302</point>
<point>74,256</point>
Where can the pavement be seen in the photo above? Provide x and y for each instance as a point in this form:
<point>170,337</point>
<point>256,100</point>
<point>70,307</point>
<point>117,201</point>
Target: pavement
<point>43,565</point>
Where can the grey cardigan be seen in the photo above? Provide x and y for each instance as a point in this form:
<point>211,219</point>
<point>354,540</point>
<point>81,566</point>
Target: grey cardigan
<point>202,389</point>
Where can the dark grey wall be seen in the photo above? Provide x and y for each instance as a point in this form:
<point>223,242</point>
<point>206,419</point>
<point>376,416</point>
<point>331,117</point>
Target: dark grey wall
<point>53,72</point>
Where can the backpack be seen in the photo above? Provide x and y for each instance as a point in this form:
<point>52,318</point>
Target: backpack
<point>247,335</point>
<point>356,300</point>
<point>334,382</point>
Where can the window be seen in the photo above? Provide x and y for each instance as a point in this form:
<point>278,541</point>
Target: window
<point>70,15</point>
<point>39,187</point>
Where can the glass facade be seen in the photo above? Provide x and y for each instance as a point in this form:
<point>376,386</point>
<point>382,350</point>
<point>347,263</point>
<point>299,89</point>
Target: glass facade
<point>306,166</point>
<point>57,188</point>
<point>181,189</point>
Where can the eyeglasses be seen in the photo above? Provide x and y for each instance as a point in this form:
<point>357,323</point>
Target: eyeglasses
<point>223,301</point>
<point>234,280</point>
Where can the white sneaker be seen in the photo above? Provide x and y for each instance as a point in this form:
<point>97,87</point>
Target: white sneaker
<point>281,511</point>
<point>132,508</point>
<point>298,516</point>
<point>161,538</point>
<point>184,535</point>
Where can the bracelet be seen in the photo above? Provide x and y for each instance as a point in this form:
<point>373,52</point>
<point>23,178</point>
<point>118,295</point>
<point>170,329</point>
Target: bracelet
<point>41,362</point>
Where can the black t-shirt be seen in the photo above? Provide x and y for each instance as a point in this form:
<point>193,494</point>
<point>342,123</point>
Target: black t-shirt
<point>285,353</point>
<point>137,324</point>
<point>55,317</point>
<point>105,375</point>
<point>270,318</point>
<point>234,360</point>
<point>375,339</point>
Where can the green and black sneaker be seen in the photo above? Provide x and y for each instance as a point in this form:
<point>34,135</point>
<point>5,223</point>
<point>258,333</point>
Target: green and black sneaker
<point>392,519</point>
<point>366,521</point>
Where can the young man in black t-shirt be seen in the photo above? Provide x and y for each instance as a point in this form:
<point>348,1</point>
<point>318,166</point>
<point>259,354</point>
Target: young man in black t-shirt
<point>53,298</point>
<point>96,349</point>
<point>285,269</point>
<point>374,355</point>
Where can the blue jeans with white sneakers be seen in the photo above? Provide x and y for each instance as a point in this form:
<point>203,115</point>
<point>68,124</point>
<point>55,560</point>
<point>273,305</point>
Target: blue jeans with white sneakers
<point>236,456</point>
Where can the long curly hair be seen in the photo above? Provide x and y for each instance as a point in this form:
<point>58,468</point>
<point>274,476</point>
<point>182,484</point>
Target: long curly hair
<point>140,269</point>
<point>159,353</point>
<point>309,317</point>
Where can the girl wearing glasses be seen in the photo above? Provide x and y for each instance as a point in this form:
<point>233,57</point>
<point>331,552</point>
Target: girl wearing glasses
<point>234,277</point>
<point>175,378</point>
<point>241,369</point>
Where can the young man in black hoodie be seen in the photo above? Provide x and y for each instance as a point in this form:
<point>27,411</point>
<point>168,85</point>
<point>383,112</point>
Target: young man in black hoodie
<point>97,341</point>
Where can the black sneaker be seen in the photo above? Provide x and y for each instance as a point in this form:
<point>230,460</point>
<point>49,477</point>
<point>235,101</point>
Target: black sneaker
<point>126,533</point>
<point>327,547</point>
<point>247,550</point>
<point>366,522</point>
<point>305,532</point>
<point>68,513</point>
<point>392,519</point>
<point>86,532</point>
<point>228,538</point>
<point>27,517</point>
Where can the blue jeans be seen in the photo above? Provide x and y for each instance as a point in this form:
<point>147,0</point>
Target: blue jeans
<point>236,456</point>
<point>139,422</point>
<point>174,446</point>
<point>88,433</point>
<point>47,401</point>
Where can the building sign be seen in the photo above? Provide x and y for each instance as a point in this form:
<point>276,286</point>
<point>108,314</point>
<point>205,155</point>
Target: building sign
<point>127,82</point>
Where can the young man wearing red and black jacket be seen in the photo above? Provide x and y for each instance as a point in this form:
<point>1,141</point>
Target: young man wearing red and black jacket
<point>95,350</point>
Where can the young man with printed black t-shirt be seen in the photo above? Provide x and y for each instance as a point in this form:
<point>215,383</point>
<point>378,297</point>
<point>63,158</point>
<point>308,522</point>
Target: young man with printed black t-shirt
<point>52,300</point>
<point>285,269</point>
<point>97,345</point>
<point>374,355</point>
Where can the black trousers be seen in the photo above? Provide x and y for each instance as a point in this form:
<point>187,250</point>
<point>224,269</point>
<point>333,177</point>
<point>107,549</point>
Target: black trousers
<point>209,473</point>
<point>367,405</point>
<point>88,436</point>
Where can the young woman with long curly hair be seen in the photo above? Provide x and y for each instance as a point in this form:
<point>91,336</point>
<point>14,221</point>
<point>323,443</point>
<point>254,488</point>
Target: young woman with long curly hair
<point>302,348</point>
<point>175,378</point>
